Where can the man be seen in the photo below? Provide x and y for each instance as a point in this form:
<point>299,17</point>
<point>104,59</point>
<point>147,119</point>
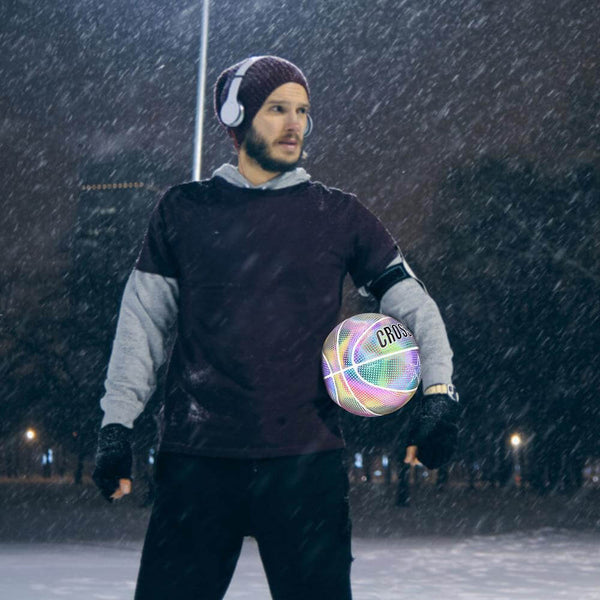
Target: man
<point>250,264</point>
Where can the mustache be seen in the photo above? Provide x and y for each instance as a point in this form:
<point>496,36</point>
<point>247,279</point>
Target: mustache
<point>290,136</point>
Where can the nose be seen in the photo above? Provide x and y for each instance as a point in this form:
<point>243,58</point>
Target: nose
<point>294,122</point>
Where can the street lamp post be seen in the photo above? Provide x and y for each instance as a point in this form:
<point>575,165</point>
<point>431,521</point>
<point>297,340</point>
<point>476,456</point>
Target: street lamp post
<point>515,442</point>
<point>197,167</point>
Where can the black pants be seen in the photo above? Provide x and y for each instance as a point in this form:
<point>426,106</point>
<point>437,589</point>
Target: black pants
<point>296,508</point>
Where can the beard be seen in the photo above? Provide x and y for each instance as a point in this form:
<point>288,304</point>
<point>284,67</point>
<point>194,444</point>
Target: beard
<point>256,148</point>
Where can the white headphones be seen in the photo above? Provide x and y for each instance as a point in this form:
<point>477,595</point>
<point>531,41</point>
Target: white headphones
<point>232,111</point>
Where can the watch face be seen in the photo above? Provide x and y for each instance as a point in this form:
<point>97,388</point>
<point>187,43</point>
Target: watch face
<point>453,393</point>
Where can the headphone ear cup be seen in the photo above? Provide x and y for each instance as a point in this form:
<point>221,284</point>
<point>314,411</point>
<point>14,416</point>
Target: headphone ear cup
<point>309,126</point>
<point>232,113</point>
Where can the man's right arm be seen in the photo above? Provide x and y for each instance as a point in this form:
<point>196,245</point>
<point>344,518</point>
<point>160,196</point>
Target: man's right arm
<point>148,311</point>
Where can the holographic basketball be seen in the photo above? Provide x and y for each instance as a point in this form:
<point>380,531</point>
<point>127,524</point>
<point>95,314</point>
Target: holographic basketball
<point>371,365</point>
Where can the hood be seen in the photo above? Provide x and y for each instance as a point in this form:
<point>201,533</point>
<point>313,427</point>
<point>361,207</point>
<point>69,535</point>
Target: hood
<point>231,174</point>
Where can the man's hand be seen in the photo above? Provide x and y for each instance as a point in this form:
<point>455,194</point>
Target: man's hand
<point>434,431</point>
<point>124,488</point>
<point>113,461</point>
<point>410,458</point>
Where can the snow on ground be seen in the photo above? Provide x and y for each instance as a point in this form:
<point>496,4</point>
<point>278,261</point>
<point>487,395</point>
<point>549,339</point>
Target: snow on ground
<point>542,565</point>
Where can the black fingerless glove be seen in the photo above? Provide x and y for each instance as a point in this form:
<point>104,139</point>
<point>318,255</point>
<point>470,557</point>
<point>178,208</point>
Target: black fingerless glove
<point>434,429</point>
<point>113,458</point>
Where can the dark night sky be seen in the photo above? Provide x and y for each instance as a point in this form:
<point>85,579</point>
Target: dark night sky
<point>405,95</point>
<point>400,90</point>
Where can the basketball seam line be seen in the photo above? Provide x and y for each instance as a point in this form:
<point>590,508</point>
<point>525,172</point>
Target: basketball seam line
<point>334,386</point>
<point>370,361</point>
<point>337,346</point>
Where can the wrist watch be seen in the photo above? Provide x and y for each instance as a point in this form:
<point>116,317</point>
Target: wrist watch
<point>443,388</point>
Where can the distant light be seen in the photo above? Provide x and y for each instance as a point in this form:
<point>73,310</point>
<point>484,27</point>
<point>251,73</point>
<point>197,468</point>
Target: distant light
<point>515,440</point>
<point>50,455</point>
<point>378,473</point>
<point>358,460</point>
<point>112,186</point>
<point>385,461</point>
<point>30,434</point>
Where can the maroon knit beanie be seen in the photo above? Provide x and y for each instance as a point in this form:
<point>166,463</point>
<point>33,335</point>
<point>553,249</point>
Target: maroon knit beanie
<point>259,81</point>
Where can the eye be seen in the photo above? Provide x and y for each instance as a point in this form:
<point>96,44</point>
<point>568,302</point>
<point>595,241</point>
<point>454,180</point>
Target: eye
<point>303,111</point>
<point>277,108</point>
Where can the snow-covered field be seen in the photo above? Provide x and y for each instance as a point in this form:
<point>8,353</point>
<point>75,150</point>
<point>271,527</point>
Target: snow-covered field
<point>545,565</point>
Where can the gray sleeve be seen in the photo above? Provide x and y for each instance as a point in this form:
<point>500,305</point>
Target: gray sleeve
<point>148,311</point>
<point>409,302</point>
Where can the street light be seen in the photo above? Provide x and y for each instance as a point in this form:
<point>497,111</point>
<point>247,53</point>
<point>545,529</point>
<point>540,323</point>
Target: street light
<point>515,440</point>
<point>29,448</point>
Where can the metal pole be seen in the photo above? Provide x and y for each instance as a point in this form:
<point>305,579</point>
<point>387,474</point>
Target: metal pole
<point>197,167</point>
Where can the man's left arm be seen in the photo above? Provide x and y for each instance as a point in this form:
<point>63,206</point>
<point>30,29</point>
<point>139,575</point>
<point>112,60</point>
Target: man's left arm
<point>434,428</point>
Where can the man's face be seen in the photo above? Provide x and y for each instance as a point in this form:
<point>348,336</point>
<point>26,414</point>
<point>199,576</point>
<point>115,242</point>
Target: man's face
<point>276,136</point>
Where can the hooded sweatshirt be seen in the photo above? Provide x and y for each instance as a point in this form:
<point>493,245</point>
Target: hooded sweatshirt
<point>252,277</point>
